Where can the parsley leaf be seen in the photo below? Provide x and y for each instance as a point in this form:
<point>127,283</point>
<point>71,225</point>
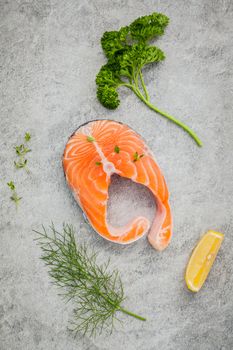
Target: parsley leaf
<point>128,51</point>
<point>117,149</point>
<point>90,139</point>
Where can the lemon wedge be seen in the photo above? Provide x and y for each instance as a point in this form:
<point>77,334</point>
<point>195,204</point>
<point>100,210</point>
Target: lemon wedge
<point>202,260</point>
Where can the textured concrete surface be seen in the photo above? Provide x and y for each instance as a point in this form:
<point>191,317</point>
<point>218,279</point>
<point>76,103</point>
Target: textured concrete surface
<point>50,54</point>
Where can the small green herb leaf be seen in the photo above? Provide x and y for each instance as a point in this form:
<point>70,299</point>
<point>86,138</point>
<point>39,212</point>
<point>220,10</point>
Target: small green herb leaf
<point>19,149</point>
<point>117,149</point>
<point>90,139</point>
<point>15,198</point>
<point>27,137</point>
<point>20,164</point>
<point>11,185</point>
<point>98,163</point>
<point>22,150</point>
<point>136,156</point>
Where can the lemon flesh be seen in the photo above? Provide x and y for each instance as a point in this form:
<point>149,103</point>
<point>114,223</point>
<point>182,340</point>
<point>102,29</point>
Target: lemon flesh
<point>202,260</point>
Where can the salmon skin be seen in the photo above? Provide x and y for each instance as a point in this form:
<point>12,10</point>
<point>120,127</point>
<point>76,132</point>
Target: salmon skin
<point>100,149</point>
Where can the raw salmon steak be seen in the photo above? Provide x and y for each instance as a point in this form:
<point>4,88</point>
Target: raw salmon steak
<point>100,149</point>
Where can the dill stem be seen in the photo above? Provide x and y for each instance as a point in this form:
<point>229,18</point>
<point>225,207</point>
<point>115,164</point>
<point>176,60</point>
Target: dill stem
<point>119,308</point>
<point>131,313</point>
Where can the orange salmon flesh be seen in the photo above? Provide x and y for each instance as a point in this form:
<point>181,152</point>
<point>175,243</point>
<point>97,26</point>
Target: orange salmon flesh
<point>100,149</point>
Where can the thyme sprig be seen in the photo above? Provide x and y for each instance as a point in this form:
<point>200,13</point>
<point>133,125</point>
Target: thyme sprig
<point>27,136</point>
<point>20,164</point>
<point>97,293</point>
<point>14,196</point>
<point>136,156</point>
<point>21,152</point>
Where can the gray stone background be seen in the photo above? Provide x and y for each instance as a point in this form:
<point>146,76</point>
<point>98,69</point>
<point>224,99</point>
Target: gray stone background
<point>50,54</point>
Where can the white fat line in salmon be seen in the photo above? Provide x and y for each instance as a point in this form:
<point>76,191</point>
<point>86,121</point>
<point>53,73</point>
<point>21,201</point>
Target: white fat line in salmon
<point>156,232</point>
<point>108,167</point>
<point>122,231</point>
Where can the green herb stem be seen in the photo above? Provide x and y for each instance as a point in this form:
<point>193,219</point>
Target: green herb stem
<point>119,308</point>
<point>166,115</point>
<point>176,121</point>
<point>131,313</point>
<point>144,86</point>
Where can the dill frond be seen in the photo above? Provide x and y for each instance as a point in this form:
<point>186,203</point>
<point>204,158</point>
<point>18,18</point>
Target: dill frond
<point>96,292</point>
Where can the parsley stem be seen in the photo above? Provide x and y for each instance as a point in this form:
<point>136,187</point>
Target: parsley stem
<point>176,121</point>
<point>135,78</point>
<point>143,85</point>
<point>168,116</point>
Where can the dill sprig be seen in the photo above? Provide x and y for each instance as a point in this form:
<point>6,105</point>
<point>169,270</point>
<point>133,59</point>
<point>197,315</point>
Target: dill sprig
<point>98,293</point>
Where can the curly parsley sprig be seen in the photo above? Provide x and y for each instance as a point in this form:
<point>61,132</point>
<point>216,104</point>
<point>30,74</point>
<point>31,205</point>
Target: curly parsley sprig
<point>128,51</point>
